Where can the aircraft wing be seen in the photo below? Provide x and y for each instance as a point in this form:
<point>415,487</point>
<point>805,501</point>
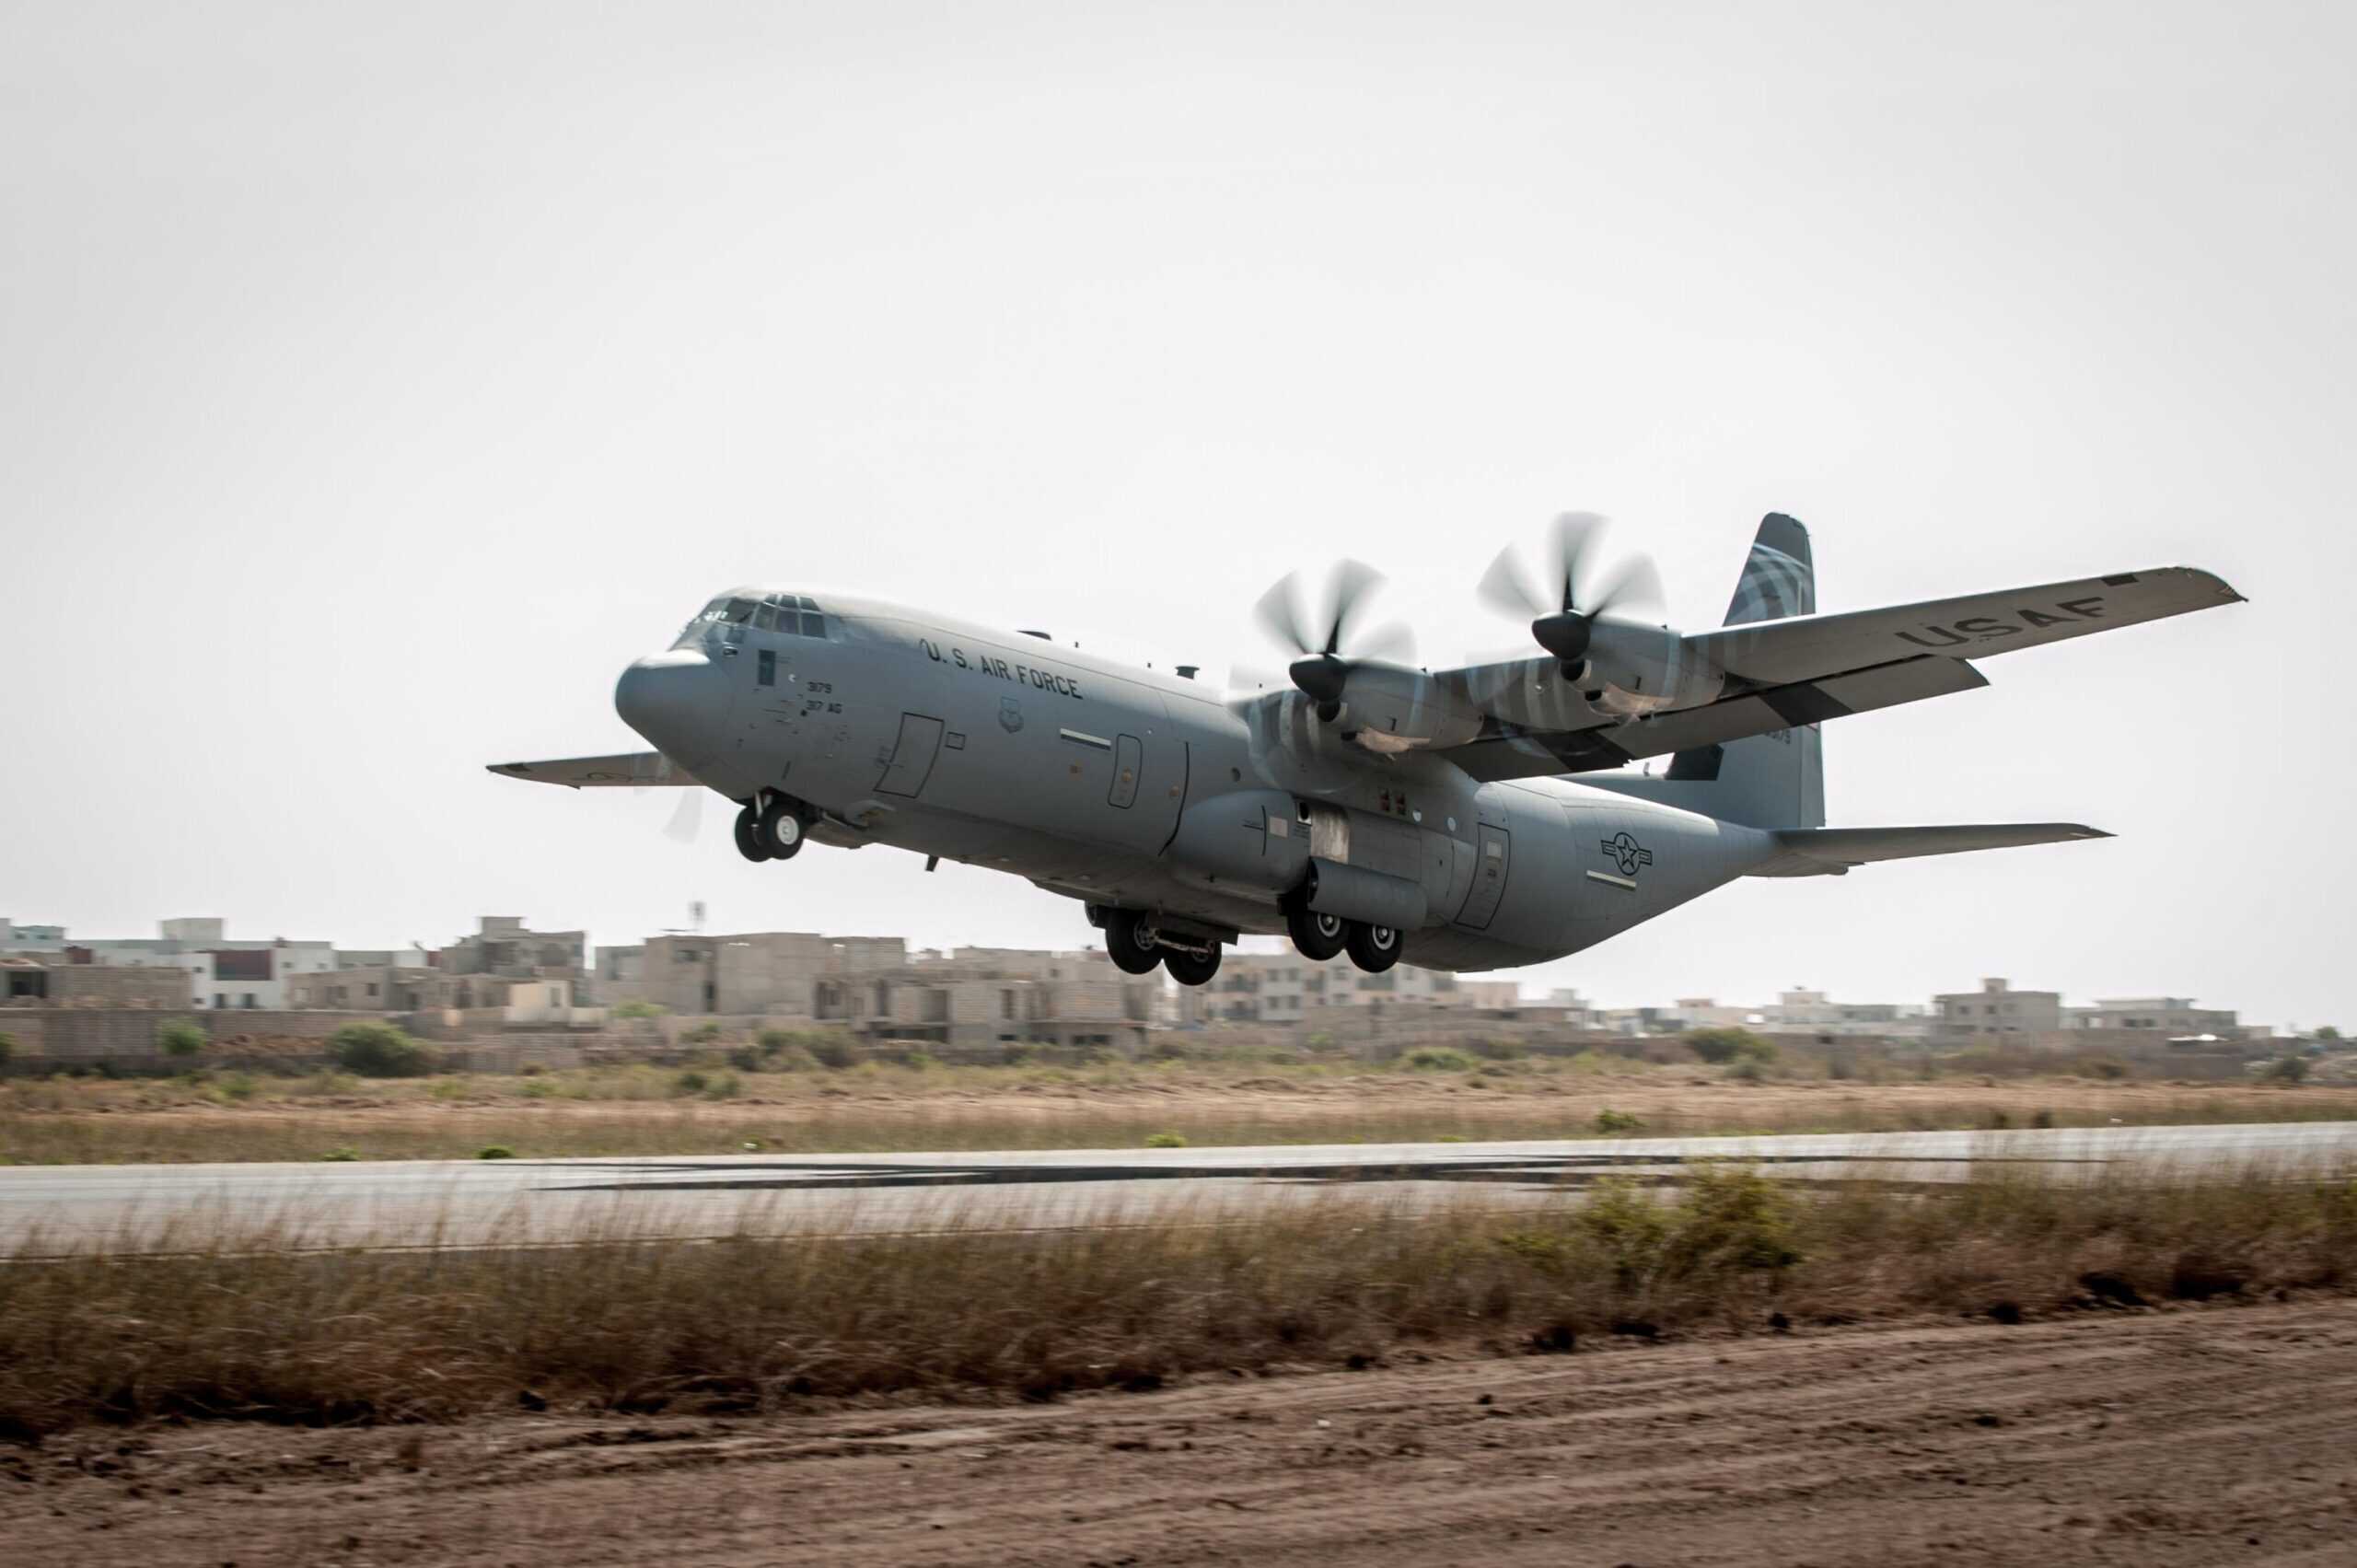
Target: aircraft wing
<point>1806,648</point>
<point>1805,669</point>
<point>1512,751</point>
<point>1831,851</point>
<point>636,769</point>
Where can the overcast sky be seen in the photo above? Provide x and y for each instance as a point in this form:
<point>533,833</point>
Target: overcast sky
<point>375,381</point>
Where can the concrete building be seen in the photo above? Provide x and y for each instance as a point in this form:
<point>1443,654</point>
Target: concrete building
<point>502,946</point>
<point>49,981</point>
<point>375,988</point>
<point>15,938</point>
<point>2162,1014</point>
<point>1995,1009</point>
<point>219,971</point>
<point>1285,988</point>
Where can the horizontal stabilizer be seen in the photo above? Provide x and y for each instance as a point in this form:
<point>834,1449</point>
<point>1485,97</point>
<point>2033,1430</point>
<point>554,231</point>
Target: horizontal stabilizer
<point>634,770</point>
<point>1831,852</point>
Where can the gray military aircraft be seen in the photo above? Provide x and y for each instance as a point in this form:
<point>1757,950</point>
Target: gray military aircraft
<point>1478,817</point>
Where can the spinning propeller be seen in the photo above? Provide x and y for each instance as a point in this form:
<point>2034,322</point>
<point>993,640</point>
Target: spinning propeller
<point>1574,598</point>
<point>1323,666</point>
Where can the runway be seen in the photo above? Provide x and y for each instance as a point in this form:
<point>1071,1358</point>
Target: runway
<point>51,1209</point>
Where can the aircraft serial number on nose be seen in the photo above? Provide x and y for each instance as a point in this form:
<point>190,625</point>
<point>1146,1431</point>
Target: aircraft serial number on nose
<point>1000,669</point>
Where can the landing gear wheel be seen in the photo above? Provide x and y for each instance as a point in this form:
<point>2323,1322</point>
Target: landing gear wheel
<point>1374,948</point>
<point>1189,970</point>
<point>779,828</point>
<point>749,834</point>
<point>1129,942</point>
<point>1318,936</point>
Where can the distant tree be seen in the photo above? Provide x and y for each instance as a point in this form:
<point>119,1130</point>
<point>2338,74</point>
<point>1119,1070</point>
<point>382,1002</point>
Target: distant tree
<point>381,1050</point>
<point>2287,1070</point>
<point>181,1037</point>
<point>1719,1047</point>
<point>2329,1035</point>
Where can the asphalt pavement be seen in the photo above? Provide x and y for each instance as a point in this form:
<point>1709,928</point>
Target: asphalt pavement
<point>472,1203</point>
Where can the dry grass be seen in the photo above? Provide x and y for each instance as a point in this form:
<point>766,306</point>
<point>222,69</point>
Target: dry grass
<point>233,1330</point>
<point>877,1108</point>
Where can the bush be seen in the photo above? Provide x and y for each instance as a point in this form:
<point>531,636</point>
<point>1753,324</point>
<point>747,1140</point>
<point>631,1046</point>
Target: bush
<point>640,1010</point>
<point>691,1083</point>
<point>746,1059</point>
<point>1166,1140</point>
<point>8,1048</point>
<point>724,1086</point>
<point>347,1152</point>
<point>181,1037</point>
<point>833,1051</point>
<point>1720,1047</point>
<point>1610,1121</point>
<point>494,1151</point>
<point>2111,1069</point>
<point>1439,1059</point>
<point>703,1034</point>
<point>381,1050</point>
<point>2286,1070</point>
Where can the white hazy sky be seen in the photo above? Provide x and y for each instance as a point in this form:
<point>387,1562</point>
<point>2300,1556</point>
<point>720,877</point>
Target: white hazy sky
<point>376,380</point>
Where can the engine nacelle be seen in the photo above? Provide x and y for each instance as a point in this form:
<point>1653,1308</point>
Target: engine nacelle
<point>1390,708</point>
<point>1645,669</point>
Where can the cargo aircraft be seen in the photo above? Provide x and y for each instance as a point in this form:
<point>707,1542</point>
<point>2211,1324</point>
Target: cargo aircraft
<point>1484,817</point>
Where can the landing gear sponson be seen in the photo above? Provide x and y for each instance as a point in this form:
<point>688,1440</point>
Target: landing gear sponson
<point>772,826</point>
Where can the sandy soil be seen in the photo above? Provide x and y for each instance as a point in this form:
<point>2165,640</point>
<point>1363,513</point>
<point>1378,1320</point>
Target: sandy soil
<point>2193,1436</point>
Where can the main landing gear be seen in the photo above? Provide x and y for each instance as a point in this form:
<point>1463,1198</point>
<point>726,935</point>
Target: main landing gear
<point>771,827</point>
<point>1374,948</point>
<point>1136,948</point>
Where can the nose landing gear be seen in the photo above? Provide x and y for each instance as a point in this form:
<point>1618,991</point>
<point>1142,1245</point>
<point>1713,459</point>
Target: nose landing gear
<point>771,827</point>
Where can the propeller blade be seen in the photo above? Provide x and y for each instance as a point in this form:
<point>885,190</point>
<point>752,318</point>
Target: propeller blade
<point>1347,591</point>
<point>687,818</point>
<point>1575,542</point>
<point>1279,613</point>
<point>1505,588</point>
<point>1632,588</point>
<point>1395,642</point>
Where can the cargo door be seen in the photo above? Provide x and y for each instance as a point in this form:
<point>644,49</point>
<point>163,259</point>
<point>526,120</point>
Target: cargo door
<point>913,757</point>
<point>1491,852</point>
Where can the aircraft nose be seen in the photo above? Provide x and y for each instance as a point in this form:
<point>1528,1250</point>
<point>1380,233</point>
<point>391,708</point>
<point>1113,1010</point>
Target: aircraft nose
<point>673,699</point>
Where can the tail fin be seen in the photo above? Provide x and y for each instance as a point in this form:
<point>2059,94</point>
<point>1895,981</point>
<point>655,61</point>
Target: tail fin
<point>1768,780</point>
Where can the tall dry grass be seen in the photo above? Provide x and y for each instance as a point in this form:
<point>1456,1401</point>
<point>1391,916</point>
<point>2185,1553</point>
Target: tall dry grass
<point>230,1328</point>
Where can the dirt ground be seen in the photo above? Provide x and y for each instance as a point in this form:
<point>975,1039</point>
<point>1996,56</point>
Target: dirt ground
<point>2189,1436</point>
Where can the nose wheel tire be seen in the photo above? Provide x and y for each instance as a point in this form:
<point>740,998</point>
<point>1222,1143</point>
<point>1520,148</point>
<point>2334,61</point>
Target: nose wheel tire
<point>1189,970</point>
<point>779,828</point>
<point>1129,942</point>
<point>748,835</point>
<point>1374,948</point>
<point>1317,936</point>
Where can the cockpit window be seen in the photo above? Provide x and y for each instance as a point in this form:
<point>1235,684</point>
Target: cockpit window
<point>739,612</point>
<point>765,617</point>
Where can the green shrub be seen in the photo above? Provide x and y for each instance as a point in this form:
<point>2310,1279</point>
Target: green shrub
<point>833,1050</point>
<point>1748,1070</point>
<point>724,1086</point>
<point>494,1151</point>
<point>1166,1140</point>
<point>381,1050</point>
<point>1610,1121</point>
<point>690,1083</point>
<point>746,1059</point>
<point>345,1153</point>
<point>181,1037</point>
<point>2111,1069</point>
<point>537,1088</point>
<point>1439,1059</point>
<point>640,1010</point>
<point>2287,1070</point>
<point>1719,1047</point>
<point>8,1048</point>
<point>703,1034</point>
<point>239,1086</point>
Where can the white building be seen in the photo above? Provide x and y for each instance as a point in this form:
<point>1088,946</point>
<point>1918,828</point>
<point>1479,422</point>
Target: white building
<point>223,972</point>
